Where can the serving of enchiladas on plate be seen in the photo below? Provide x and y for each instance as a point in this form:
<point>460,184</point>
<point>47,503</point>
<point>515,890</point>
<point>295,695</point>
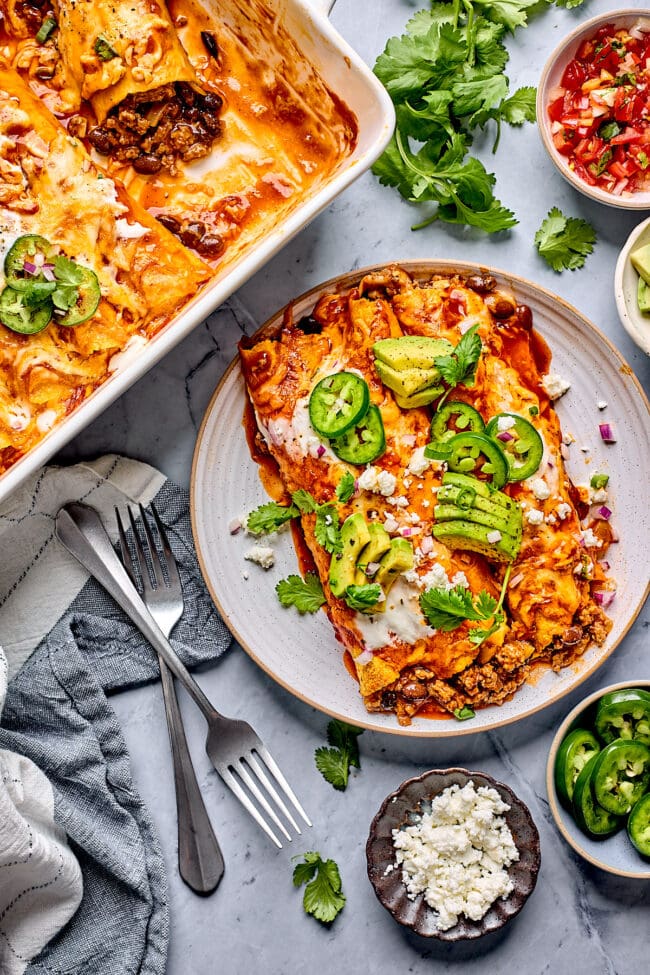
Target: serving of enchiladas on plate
<point>413,438</point>
<point>143,148</point>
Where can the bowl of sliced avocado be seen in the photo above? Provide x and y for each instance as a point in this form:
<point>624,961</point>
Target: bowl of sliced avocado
<point>632,285</point>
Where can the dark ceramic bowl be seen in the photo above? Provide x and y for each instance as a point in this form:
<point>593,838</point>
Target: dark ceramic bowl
<point>399,809</point>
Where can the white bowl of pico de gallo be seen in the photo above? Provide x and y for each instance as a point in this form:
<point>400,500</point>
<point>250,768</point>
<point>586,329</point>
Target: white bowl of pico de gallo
<point>593,108</point>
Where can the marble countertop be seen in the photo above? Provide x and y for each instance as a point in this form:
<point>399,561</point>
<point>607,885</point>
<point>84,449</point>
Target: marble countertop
<point>577,916</point>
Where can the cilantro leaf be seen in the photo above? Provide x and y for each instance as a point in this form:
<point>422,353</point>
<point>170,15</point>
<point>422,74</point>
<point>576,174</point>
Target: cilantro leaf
<point>323,897</point>
<point>103,49</point>
<point>569,4</point>
<point>68,278</point>
<point>486,605</point>
<point>362,598</point>
<point>305,501</point>
<point>305,594</point>
<point>270,517</point>
<point>477,97</point>
<point>464,713</point>
<point>334,763</point>
<point>345,487</point>
<point>564,242</point>
<point>447,609</point>
<point>326,529</point>
<point>510,13</point>
<point>520,106</point>
<point>459,367</point>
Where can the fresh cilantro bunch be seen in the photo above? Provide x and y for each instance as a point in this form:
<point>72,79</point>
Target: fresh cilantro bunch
<point>564,242</point>
<point>334,762</point>
<point>446,78</point>
<point>323,897</point>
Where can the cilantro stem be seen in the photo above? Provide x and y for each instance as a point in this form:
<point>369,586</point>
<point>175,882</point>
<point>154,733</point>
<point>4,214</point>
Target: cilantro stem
<point>504,586</point>
<point>498,135</point>
<point>425,223</point>
<point>471,33</point>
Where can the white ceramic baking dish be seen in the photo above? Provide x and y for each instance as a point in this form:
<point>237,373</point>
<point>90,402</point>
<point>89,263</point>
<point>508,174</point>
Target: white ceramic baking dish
<point>352,81</point>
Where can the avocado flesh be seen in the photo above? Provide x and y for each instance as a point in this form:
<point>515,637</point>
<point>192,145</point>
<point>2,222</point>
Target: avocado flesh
<point>473,538</point>
<point>406,382</point>
<point>355,535</point>
<point>422,398</point>
<point>643,297</point>
<point>640,259</point>
<point>411,351</point>
<point>377,547</point>
<point>449,512</point>
<point>399,558</point>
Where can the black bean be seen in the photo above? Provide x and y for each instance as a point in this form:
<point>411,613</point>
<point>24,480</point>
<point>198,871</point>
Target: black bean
<point>210,44</point>
<point>147,165</point>
<point>309,325</point>
<point>101,139</point>
<point>524,317</point>
<point>211,245</point>
<point>171,223</point>
<point>482,283</point>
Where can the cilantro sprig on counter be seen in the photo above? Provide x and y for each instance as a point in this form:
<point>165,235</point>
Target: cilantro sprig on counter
<point>445,77</point>
<point>564,242</point>
<point>323,897</point>
<point>334,763</point>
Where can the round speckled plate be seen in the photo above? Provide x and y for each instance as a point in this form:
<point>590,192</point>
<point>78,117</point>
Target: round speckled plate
<point>401,808</point>
<point>301,652</point>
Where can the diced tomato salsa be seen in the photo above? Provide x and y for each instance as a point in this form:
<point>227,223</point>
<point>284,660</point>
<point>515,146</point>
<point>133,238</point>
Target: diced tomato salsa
<point>600,115</point>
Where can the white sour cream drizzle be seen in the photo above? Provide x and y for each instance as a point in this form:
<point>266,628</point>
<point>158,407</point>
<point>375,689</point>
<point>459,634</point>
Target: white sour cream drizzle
<point>402,619</point>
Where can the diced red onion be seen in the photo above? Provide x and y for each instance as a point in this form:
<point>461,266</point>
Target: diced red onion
<point>550,464</point>
<point>615,535</point>
<point>606,432</point>
<point>48,272</point>
<point>604,597</point>
<point>356,485</point>
<point>505,436</point>
<point>605,564</point>
<point>234,526</point>
<point>426,545</point>
<point>29,267</point>
<point>406,532</point>
<point>604,512</point>
<point>372,569</point>
<point>517,579</point>
<point>320,451</point>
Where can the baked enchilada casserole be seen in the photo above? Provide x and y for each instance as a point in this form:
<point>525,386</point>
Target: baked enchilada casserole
<point>413,431</point>
<point>143,147</point>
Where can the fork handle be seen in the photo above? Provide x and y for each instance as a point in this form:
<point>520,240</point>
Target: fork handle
<point>200,862</point>
<point>80,529</point>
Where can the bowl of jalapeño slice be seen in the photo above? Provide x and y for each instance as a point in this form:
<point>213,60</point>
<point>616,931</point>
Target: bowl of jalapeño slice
<point>598,779</point>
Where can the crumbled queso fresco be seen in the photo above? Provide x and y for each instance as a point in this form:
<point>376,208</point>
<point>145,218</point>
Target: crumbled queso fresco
<point>457,854</point>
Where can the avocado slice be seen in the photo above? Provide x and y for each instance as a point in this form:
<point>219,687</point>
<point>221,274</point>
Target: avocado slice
<point>398,559</point>
<point>411,351</point>
<point>378,545</point>
<point>643,297</point>
<point>423,398</point>
<point>640,259</point>
<point>406,381</point>
<point>355,535</point>
<point>473,538</point>
<point>502,523</point>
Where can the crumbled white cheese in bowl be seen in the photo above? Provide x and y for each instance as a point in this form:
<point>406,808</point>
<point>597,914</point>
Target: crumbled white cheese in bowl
<point>453,854</point>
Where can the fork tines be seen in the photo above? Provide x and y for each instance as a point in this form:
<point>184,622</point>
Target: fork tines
<point>252,772</point>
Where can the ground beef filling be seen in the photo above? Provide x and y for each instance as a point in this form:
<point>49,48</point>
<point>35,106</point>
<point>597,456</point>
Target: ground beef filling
<point>152,130</point>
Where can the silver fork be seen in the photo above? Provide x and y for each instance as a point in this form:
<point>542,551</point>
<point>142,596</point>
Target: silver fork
<point>235,750</point>
<point>200,861</point>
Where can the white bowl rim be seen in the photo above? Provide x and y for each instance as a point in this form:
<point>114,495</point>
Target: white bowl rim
<point>642,200</point>
<point>550,777</point>
<point>628,320</point>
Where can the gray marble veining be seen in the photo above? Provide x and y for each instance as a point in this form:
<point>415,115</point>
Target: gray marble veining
<point>578,917</point>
